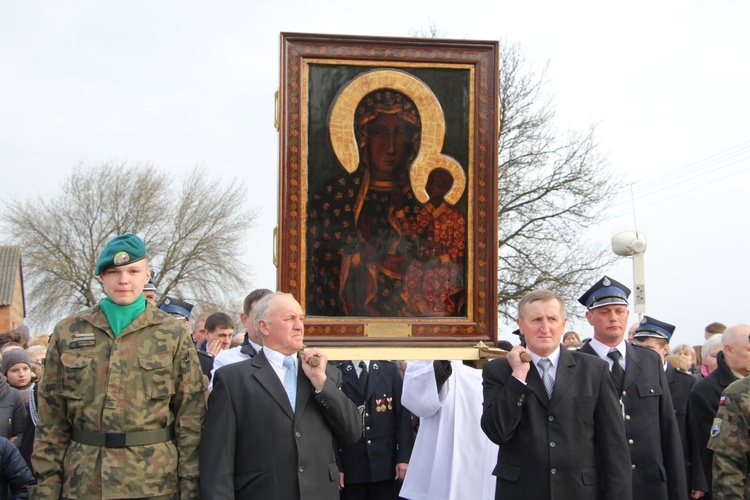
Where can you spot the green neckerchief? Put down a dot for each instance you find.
(121, 316)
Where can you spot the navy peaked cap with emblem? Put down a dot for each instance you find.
(176, 307)
(120, 250)
(606, 292)
(650, 327)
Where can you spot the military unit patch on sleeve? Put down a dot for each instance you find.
(722, 399)
(716, 427)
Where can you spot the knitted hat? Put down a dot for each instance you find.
(13, 357)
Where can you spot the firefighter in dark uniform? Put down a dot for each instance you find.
(374, 467)
(638, 375)
(656, 335)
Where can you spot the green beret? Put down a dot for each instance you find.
(124, 249)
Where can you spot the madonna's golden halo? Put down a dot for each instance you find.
(428, 157)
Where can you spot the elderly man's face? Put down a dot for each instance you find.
(283, 329)
(542, 323)
(737, 355)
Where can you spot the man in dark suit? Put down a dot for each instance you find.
(556, 419)
(266, 438)
(372, 465)
(656, 335)
(733, 363)
(638, 375)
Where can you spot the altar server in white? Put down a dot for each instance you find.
(452, 457)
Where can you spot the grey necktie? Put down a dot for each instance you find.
(290, 381)
(545, 365)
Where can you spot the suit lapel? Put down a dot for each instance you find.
(632, 366)
(304, 392)
(349, 377)
(373, 376)
(534, 381)
(564, 376)
(266, 376)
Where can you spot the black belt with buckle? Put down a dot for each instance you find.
(122, 439)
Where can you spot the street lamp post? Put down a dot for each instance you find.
(633, 244)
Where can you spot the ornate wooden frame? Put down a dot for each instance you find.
(468, 69)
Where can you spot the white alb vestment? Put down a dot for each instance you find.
(452, 458)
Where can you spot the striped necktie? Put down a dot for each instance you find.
(545, 365)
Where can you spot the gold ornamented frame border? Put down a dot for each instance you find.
(479, 60)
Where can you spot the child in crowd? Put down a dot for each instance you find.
(12, 411)
(16, 367)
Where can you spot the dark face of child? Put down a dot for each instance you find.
(439, 183)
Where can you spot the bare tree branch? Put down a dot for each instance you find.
(552, 187)
(194, 234)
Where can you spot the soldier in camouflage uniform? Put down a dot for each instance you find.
(730, 442)
(121, 401)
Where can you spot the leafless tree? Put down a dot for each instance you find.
(552, 186)
(194, 233)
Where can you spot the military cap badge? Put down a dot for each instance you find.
(120, 258)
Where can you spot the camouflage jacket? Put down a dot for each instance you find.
(148, 378)
(730, 442)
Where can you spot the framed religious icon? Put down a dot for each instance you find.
(387, 228)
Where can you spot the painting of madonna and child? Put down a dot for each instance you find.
(387, 218)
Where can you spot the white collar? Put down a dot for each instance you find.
(276, 358)
(554, 357)
(603, 349)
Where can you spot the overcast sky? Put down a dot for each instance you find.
(180, 83)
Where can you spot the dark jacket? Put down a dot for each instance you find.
(703, 403)
(570, 446)
(680, 384)
(650, 427)
(207, 362)
(12, 411)
(255, 446)
(15, 476)
(387, 438)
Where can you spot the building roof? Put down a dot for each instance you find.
(10, 264)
